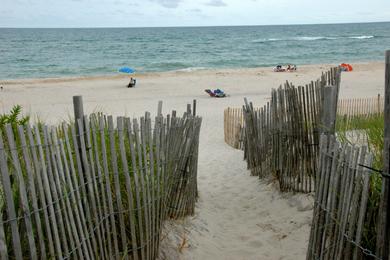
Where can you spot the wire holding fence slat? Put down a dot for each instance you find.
(95, 190)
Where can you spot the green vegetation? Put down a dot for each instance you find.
(367, 130)
(14, 117)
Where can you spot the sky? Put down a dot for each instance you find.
(161, 13)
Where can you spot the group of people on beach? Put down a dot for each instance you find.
(290, 67)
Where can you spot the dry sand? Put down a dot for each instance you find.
(237, 216)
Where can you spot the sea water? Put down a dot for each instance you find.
(42, 53)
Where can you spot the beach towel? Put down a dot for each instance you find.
(218, 93)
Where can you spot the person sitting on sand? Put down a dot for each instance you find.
(279, 68)
(291, 67)
(132, 83)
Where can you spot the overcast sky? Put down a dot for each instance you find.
(152, 13)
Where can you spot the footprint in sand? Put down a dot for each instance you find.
(268, 227)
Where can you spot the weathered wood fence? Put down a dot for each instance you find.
(360, 106)
(341, 200)
(345, 225)
(234, 123)
(98, 189)
(282, 137)
(234, 127)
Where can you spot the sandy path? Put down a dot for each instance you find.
(238, 216)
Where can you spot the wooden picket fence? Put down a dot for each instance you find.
(234, 123)
(234, 127)
(282, 137)
(360, 106)
(343, 186)
(95, 190)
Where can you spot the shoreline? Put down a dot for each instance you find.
(51, 99)
(64, 79)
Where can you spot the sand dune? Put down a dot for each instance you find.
(237, 216)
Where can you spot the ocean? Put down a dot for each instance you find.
(43, 53)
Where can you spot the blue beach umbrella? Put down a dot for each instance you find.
(127, 70)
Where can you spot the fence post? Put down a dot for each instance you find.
(78, 108)
(379, 104)
(383, 237)
(194, 107)
(159, 108)
(78, 114)
(328, 117)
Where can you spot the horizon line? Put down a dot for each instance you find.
(191, 26)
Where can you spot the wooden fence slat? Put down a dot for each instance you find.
(363, 206)
(76, 196)
(60, 196)
(105, 225)
(163, 172)
(118, 196)
(48, 195)
(73, 235)
(142, 176)
(92, 185)
(108, 187)
(131, 133)
(31, 185)
(57, 202)
(130, 199)
(158, 131)
(356, 196)
(153, 184)
(41, 192)
(22, 191)
(146, 179)
(9, 201)
(3, 242)
(81, 168)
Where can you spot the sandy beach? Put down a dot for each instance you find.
(237, 216)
